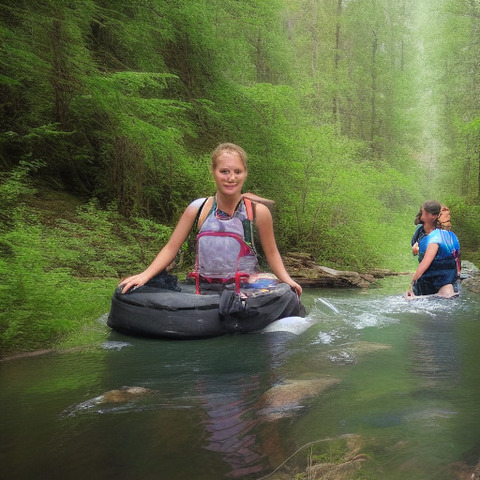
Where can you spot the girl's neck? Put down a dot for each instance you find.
(227, 204)
(429, 228)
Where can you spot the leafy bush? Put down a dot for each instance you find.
(102, 243)
(55, 278)
(467, 228)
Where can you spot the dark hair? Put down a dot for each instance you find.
(417, 220)
(432, 207)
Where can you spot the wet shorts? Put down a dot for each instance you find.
(431, 282)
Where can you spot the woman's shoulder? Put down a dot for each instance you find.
(262, 217)
(437, 236)
(450, 238)
(442, 233)
(197, 203)
(199, 209)
(261, 210)
(432, 237)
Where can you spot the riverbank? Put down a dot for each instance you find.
(309, 274)
(303, 268)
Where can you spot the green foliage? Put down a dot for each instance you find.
(452, 54)
(466, 226)
(142, 91)
(31, 295)
(13, 186)
(352, 113)
(27, 292)
(100, 243)
(47, 272)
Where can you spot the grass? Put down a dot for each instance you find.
(60, 260)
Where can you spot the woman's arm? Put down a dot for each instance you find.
(169, 251)
(427, 260)
(264, 224)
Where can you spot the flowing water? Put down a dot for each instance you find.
(387, 385)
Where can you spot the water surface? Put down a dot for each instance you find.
(395, 382)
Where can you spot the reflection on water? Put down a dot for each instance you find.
(436, 352)
(230, 421)
(393, 383)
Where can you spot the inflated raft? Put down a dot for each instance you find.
(161, 313)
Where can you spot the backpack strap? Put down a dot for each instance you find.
(248, 223)
(249, 208)
(203, 211)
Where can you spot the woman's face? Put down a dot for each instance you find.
(229, 174)
(428, 218)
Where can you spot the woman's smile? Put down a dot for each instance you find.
(229, 173)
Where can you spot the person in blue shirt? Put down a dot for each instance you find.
(438, 256)
(443, 222)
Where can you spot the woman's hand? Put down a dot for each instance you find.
(415, 248)
(409, 295)
(134, 282)
(296, 287)
(167, 254)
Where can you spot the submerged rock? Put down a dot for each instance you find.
(349, 354)
(120, 398)
(285, 399)
(362, 347)
(470, 277)
(123, 395)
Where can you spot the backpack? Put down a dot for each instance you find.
(246, 243)
(444, 218)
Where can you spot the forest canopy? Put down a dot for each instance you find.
(352, 112)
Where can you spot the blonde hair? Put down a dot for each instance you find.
(231, 148)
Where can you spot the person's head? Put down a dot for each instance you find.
(230, 148)
(430, 211)
(432, 207)
(229, 169)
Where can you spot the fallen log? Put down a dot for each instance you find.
(305, 271)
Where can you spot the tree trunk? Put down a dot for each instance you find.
(373, 105)
(337, 57)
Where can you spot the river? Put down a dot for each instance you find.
(375, 388)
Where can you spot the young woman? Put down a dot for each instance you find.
(438, 254)
(223, 214)
(443, 222)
